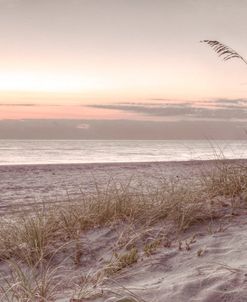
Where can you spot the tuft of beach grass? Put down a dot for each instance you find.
(37, 248)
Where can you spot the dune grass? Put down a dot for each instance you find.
(36, 249)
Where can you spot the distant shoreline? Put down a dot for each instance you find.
(190, 161)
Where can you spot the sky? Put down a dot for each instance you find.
(121, 69)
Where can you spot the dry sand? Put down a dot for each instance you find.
(213, 268)
(23, 184)
(218, 274)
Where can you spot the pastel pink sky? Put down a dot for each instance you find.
(61, 112)
(73, 53)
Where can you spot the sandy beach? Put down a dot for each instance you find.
(123, 151)
(23, 184)
(203, 262)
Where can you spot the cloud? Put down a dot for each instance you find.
(219, 109)
(230, 101)
(121, 129)
(83, 126)
(219, 119)
(155, 110)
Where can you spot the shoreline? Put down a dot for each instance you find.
(192, 161)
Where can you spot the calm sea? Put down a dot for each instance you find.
(16, 152)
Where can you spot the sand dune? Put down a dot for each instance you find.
(212, 267)
(121, 259)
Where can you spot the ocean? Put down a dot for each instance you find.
(19, 152)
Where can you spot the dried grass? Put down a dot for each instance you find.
(224, 51)
(30, 245)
